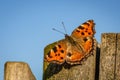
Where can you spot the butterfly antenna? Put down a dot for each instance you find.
(58, 31)
(64, 27)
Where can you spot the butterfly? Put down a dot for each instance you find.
(74, 48)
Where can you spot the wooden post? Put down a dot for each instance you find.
(117, 72)
(17, 71)
(85, 71)
(110, 57)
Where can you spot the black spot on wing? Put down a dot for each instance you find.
(55, 49)
(85, 39)
(59, 46)
(86, 24)
(62, 51)
(86, 31)
(55, 54)
(81, 27)
(58, 54)
(61, 57)
(89, 33)
(82, 33)
(78, 30)
(49, 55)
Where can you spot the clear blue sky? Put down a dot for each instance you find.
(26, 26)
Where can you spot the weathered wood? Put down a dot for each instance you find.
(107, 56)
(85, 71)
(17, 71)
(110, 57)
(118, 58)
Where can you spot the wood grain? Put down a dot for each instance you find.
(110, 57)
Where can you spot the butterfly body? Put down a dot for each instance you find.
(75, 47)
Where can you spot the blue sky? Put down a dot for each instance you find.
(26, 26)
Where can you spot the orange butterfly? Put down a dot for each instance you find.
(74, 48)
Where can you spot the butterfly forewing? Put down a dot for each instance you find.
(84, 30)
(58, 53)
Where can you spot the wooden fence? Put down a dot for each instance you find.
(103, 65)
(110, 57)
(18, 71)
